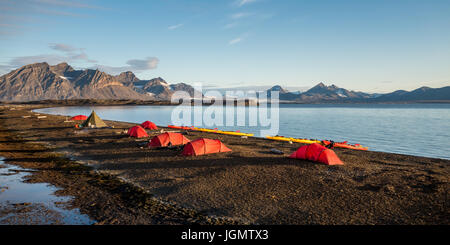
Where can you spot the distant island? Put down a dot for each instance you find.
(41, 81)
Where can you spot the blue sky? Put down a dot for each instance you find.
(372, 46)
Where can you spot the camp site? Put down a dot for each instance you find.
(224, 121)
(212, 176)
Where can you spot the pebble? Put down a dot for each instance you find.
(389, 188)
(276, 151)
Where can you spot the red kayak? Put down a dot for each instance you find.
(180, 127)
(344, 145)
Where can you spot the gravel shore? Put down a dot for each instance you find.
(250, 185)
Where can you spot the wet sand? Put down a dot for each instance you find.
(250, 185)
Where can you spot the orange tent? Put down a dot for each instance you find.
(137, 131)
(204, 146)
(168, 139)
(149, 125)
(317, 153)
(79, 118)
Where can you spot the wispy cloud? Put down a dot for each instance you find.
(241, 3)
(67, 53)
(68, 4)
(72, 53)
(146, 64)
(17, 12)
(230, 25)
(135, 65)
(25, 60)
(236, 19)
(240, 15)
(235, 41)
(46, 11)
(175, 26)
(51, 59)
(81, 56)
(62, 47)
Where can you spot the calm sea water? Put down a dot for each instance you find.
(13, 190)
(414, 129)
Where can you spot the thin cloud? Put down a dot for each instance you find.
(175, 26)
(67, 54)
(239, 39)
(62, 47)
(56, 12)
(135, 65)
(69, 4)
(149, 63)
(230, 25)
(241, 3)
(241, 15)
(235, 41)
(52, 59)
(82, 56)
(237, 19)
(72, 53)
(18, 10)
(25, 60)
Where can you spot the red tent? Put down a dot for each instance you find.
(149, 125)
(137, 131)
(317, 153)
(79, 118)
(204, 146)
(167, 139)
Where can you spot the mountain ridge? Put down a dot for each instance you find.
(40, 81)
(322, 93)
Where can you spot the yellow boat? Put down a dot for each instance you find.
(233, 133)
(304, 141)
(222, 132)
(205, 130)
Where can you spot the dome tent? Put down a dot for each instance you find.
(168, 139)
(317, 153)
(204, 146)
(137, 131)
(149, 125)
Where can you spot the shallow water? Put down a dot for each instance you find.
(413, 129)
(33, 203)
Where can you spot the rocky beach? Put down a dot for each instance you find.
(115, 179)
